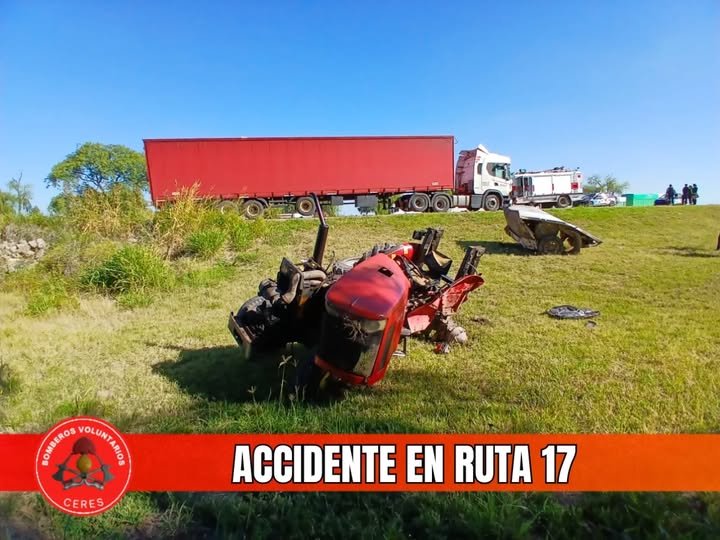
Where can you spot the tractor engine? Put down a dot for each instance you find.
(363, 321)
(353, 313)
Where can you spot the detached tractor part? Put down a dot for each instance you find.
(353, 313)
(544, 233)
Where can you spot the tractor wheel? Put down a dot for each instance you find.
(419, 202)
(564, 202)
(571, 242)
(543, 229)
(492, 202)
(253, 209)
(253, 311)
(549, 245)
(440, 203)
(226, 206)
(305, 206)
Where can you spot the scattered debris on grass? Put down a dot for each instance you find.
(571, 312)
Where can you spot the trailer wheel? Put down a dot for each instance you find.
(226, 206)
(253, 209)
(440, 203)
(571, 242)
(564, 201)
(419, 202)
(492, 202)
(549, 245)
(305, 206)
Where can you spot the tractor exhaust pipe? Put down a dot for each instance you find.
(322, 234)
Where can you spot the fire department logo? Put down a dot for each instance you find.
(83, 466)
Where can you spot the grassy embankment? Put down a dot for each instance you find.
(158, 358)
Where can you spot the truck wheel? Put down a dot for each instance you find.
(419, 202)
(305, 206)
(226, 206)
(571, 242)
(440, 203)
(253, 209)
(549, 245)
(564, 201)
(492, 202)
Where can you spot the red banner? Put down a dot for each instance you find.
(390, 462)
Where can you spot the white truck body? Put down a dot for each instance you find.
(559, 186)
(482, 179)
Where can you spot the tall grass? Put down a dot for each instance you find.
(176, 221)
(51, 295)
(9, 381)
(130, 269)
(206, 243)
(73, 253)
(120, 212)
(110, 243)
(191, 226)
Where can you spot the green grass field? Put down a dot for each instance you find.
(652, 364)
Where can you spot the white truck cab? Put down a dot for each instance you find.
(560, 187)
(482, 179)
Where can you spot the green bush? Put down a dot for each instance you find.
(130, 269)
(206, 243)
(240, 235)
(274, 212)
(53, 294)
(259, 229)
(331, 210)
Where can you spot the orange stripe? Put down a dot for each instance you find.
(602, 462)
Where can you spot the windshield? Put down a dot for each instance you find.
(499, 170)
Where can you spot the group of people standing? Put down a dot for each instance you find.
(689, 194)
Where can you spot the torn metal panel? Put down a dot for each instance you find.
(539, 231)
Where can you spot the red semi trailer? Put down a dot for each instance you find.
(256, 173)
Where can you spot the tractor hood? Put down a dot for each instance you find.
(371, 290)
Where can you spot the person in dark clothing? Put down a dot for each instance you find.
(685, 194)
(670, 194)
(694, 194)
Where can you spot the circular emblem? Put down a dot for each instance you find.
(83, 466)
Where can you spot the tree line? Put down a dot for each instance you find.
(92, 167)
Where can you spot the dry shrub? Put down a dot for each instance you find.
(74, 252)
(176, 221)
(120, 212)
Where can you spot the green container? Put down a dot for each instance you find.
(640, 199)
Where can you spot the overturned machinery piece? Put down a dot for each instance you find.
(353, 313)
(544, 233)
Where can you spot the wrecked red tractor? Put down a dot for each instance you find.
(354, 313)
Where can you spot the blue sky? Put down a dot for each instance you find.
(629, 88)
